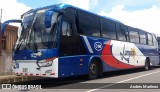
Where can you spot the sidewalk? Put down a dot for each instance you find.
(7, 78)
(13, 78)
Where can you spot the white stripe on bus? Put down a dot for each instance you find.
(88, 44)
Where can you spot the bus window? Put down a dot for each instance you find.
(121, 32)
(133, 34)
(158, 38)
(142, 37)
(108, 29)
(126, 32)
(150, 41)
(154, 40)
(88, 24)
(66, 29)
(67, 39)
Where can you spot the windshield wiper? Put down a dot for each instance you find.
(19, 45)
(33, 31)
(22, 39)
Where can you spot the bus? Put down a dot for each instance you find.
(158, 38)
(62, 40)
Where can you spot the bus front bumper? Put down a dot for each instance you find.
(30, 68)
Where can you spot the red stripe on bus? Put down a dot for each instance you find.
(44, 74)
(50, 59)
(52, 74)
(110, 60)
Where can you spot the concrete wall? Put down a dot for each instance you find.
(5, 62)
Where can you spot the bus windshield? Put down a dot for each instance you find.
(35, 35)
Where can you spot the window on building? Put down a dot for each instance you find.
(3, 42)
(142, 37)
(133, 34)
(88, 24)
(150, 41)
(108, 29)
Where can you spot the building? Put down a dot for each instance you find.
(9, 38)
(6, 45)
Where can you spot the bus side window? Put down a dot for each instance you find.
(89, 24)
(108, 29)
(66, 29)
(126, 32)
(150, 40)
(122, 36)
(133, 34)
(67, 39)
(154, 40)
(142, 37)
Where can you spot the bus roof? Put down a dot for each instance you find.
(64, 6)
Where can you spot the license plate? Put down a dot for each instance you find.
(25, 70)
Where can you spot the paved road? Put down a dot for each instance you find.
(119, 81)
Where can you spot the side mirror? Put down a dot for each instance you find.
(48, 18)
(49, 14)
(7, 22)
(3, 26)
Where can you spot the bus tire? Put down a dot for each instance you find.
(93, 70)
(147, 65)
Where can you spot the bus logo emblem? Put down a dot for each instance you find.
(98, 46)
(128, 53)
(34, 55)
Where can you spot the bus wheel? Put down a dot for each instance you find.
(93, 70)
(147, 65)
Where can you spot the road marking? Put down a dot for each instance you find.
(122, 81)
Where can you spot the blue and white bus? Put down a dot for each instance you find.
(62, 40)
(158, 38)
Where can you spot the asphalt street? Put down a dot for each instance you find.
(134, 80)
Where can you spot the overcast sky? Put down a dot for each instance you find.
(143, 14)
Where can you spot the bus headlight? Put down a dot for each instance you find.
(43, 63)
(46, 62)
(15, 65)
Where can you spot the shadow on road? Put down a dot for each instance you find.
(56, 83)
